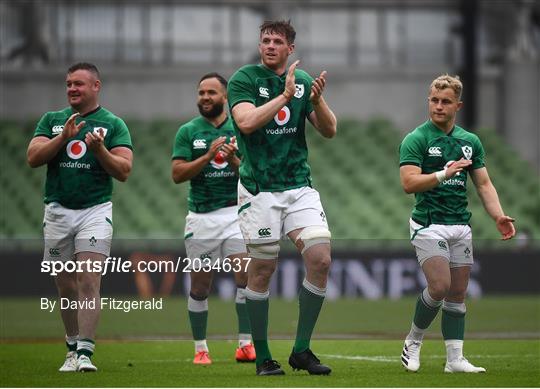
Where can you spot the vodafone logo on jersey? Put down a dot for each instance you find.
(76, 149)
(283, 116)
(219, 161)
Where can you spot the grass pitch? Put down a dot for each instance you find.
(361, 340)
(355, 363)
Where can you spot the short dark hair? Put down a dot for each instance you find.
(84, 66)
(281, 27)
(218, 76)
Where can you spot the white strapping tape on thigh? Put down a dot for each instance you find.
(313, 235)
(268, 250)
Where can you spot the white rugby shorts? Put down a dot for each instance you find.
(453, 242)
(268, 216)
(215, 235)
(70, 231)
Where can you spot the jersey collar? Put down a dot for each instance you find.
(223, 122)
(267, 69)
(89, 113)
(435, 128)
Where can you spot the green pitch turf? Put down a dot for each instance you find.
(360, 339)
(355, 363)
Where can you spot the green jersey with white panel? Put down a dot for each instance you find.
(75, 178)
(432, 150)
(215, 186)
(274, 156)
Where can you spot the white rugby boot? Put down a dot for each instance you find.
(410, 356)
(85, 364)
(70, 364)
(462, 365)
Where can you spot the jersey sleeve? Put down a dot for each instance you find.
(182, 145)
(43, 127)
(240, 88)
(478, 160)
(411, 151)
(121, 136)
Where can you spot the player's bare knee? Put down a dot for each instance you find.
(199, 290)
(66, 286)
(88, 284)
(262, 275)
(68, 290)
(321, 264)
(439, 289)
(241, 278)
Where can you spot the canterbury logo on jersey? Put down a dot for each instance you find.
(435, 152)
(264, 232)
(263, 92)
(199, 144)
(57, 130)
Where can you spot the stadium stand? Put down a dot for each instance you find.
(356, 173)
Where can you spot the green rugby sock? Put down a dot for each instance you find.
(241, 312)
(198, 316)
(257, 310)
(310, 302)
(424, 313)
(453, 325)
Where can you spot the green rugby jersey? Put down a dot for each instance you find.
(432, 150)
(75, 177)
(274, 156)
(216, 185)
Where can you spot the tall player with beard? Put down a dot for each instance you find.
(205, 153)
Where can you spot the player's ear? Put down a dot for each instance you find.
(459, 105)
(97, 85)
(291, 48)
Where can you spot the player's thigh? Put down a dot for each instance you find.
(429, 241)
(58, 233)
(202, 246)
(234, 247)
(437, 272)
(461, 247)
(306, 210)
(259, 216)
(94, 229)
